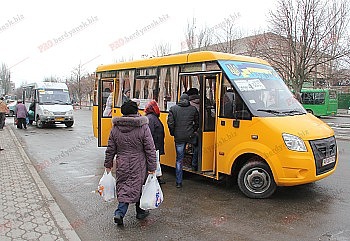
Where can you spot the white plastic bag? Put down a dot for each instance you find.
(159, 169)
(107, 187)
(152, 195)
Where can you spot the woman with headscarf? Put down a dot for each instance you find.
(157, 129)
(131, 142)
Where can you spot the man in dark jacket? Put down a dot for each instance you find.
(183, 122)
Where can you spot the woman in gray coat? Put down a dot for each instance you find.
(131, 142)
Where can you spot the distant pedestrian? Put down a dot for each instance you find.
(157, 129)
(183, 122)
(130, 141)
(3, 111)
(21, 115)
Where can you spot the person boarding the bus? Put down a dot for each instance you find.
(193, 96)
(157, 129)
(183, 122)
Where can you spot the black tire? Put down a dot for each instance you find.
(255, 180)
(39, 123)
(30, 122)
(12, 113)
(310, 111)
(69, 124)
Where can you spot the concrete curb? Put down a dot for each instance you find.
(55, 210)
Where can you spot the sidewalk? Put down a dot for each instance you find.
(27, 209)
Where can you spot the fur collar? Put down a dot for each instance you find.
(130, 120)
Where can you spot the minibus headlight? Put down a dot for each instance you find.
(70, 112)
(293, 142)
(47, 112)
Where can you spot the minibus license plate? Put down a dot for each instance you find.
(328, 160)
(59, 119)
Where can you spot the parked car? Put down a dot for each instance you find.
(12, 106)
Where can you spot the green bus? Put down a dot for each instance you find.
(320, 102)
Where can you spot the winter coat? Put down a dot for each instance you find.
(131, 142)
(183, 121)
(157, 130)
(21, 110)
(3, 107)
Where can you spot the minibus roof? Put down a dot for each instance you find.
(194, 57)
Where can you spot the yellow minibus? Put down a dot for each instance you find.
(251, 126)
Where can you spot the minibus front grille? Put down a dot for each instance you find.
(325, 154)
(59, 113)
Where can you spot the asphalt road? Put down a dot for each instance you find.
(71, 164)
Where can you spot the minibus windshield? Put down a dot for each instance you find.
(54, 96)
(261, 88)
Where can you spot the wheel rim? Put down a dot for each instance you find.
(39, 123)
(257, 180)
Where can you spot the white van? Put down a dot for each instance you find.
(48, 103)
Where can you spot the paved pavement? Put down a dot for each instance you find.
(27, 209)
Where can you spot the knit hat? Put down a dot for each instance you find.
(126, 90)
(129, 108)
(152, 107)
(192, 91)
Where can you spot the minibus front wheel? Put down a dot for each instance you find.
(255, 179)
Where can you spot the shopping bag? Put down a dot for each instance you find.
(152, 195)
(107, 187)
(159, 169)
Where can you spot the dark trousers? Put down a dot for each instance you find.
(123, 208)
(2, 120)
(21, 122)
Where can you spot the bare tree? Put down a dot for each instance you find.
(88, 86)
(75, 84)
(197, 39)
(5, 79)
(190, 34)
(161, 49)
(227, 34)
(308, 41)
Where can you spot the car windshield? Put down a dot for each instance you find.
(262, 88)
(54, 96)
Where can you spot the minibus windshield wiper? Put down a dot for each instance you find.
(296, 112)
(270, 111)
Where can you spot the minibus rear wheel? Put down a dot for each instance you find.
(255, 180)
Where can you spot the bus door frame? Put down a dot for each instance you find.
(104, 122)
(202, 77)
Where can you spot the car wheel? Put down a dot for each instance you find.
(12, 113)
(39, 123)
(310, 111)
(69, 124)
(255, 179)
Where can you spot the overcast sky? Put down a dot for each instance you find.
(40, 39)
